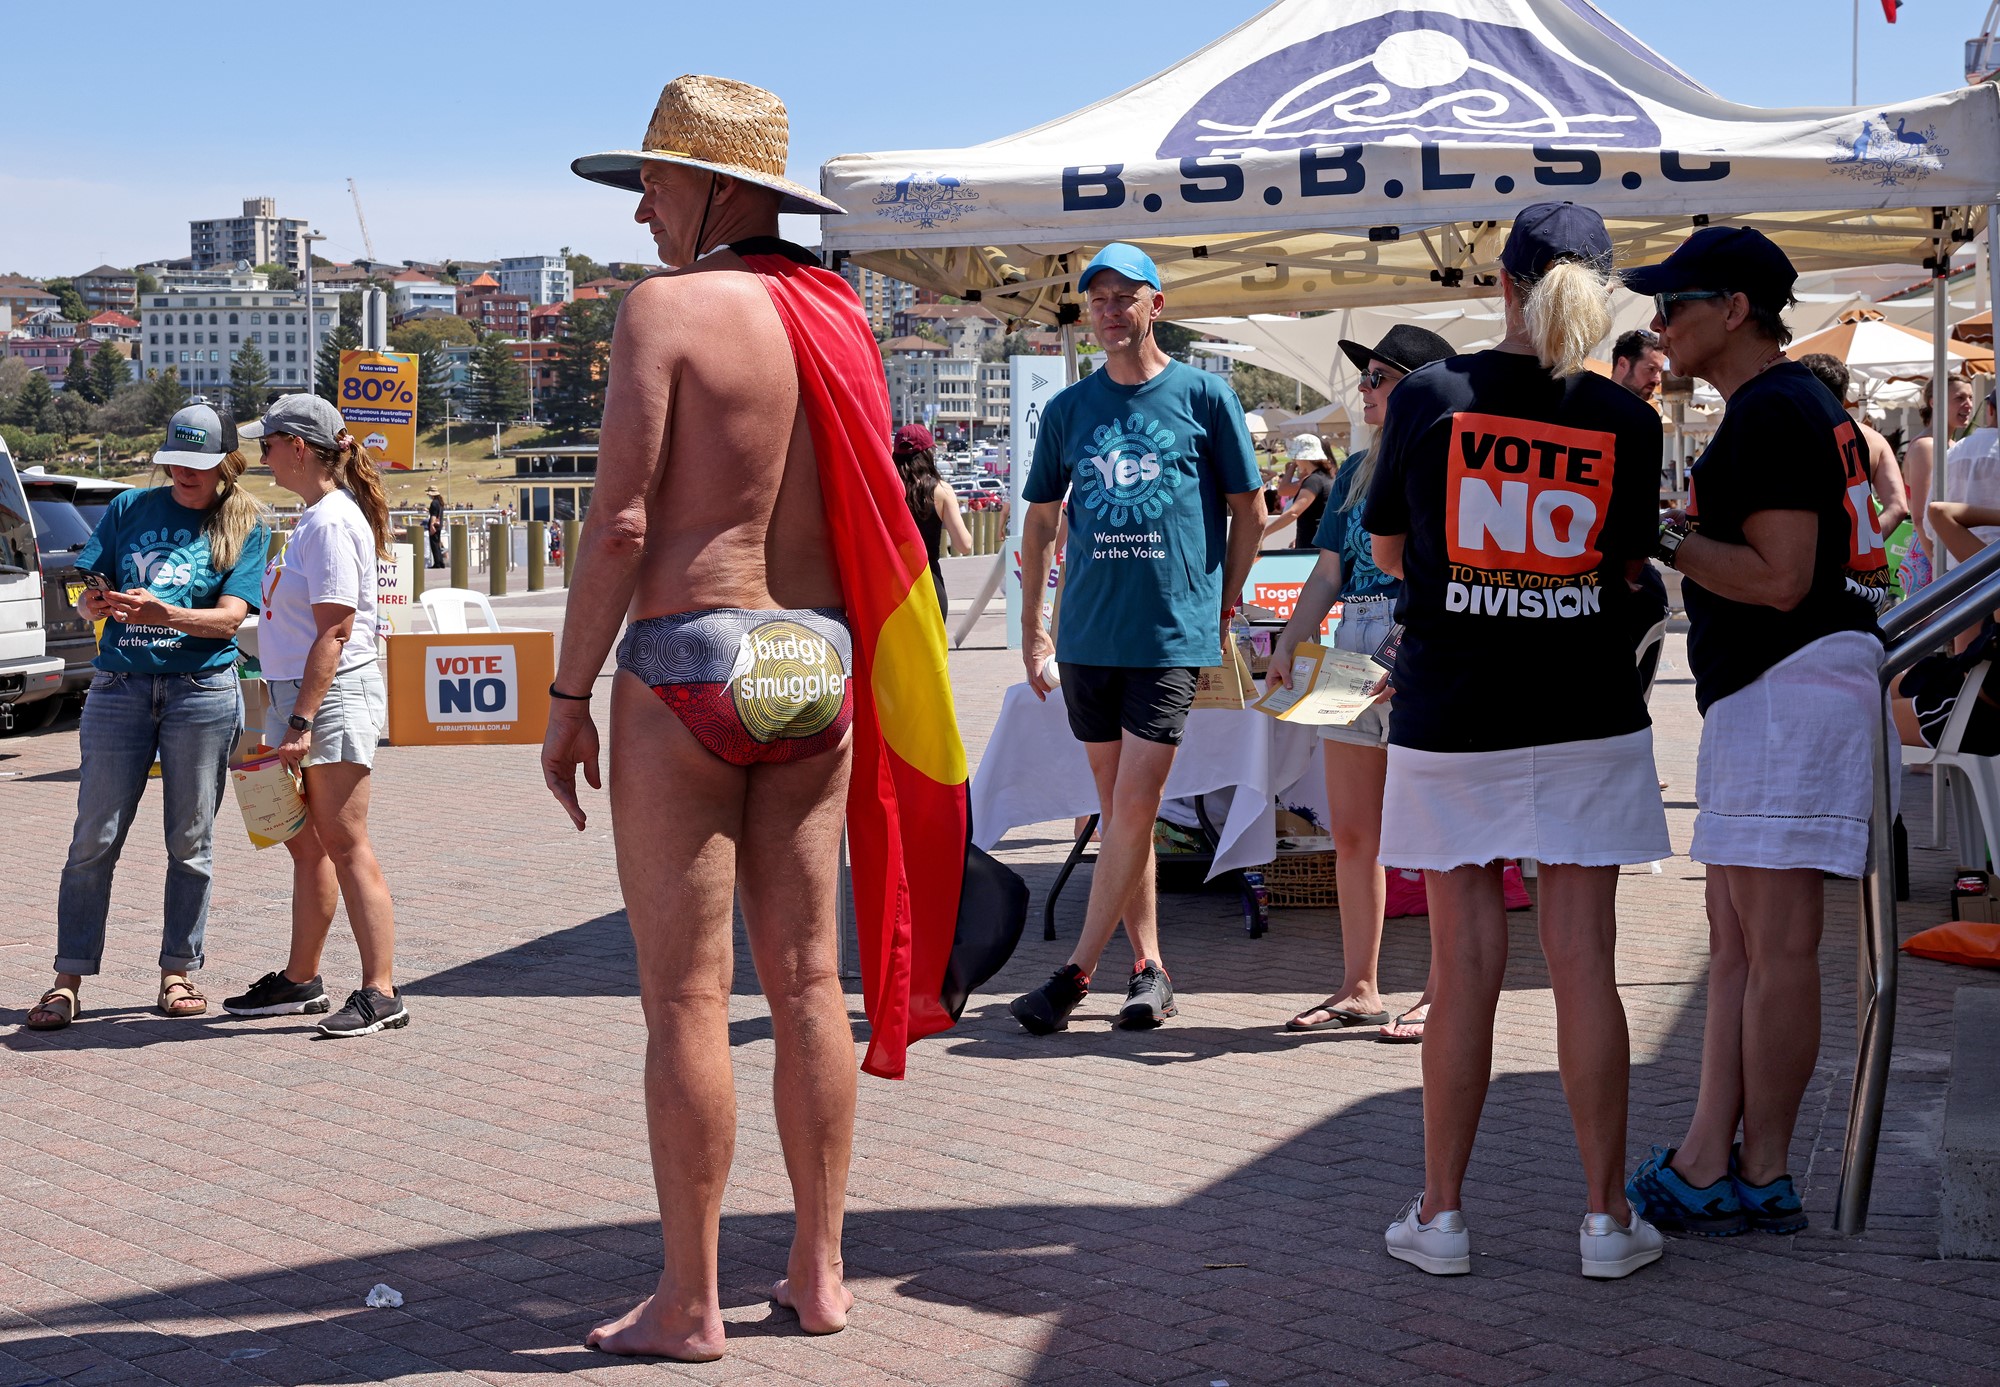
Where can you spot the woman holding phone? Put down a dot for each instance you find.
(172, 571)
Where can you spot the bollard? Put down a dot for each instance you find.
(570, 528)
(461, 555)
(496, 559)
(414, 535)
(538, 555)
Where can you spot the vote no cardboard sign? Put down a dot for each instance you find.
(478, 688)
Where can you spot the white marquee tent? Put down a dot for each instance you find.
(1355, 152)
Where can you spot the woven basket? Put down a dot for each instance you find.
(1300, 879)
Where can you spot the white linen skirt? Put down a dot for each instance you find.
(1785, 778)
(1590, 804)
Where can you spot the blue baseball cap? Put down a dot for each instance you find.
(1552, 231)
(1127, 260)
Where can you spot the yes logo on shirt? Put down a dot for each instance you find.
(1129, 471)
(167, 563)
(1524, 504)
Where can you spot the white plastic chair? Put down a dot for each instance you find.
(445, 607)
(1975, 802)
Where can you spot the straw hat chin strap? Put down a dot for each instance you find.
(707, 206)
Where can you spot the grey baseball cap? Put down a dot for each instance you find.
(197, 437)
(302, 416)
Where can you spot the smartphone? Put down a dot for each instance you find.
(96, 581)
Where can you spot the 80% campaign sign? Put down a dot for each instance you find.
(378, 399)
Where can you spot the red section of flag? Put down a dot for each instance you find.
(1889, 8)
(906, 832)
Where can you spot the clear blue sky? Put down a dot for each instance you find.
(458, 120)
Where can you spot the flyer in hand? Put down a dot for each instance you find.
(1328, 687)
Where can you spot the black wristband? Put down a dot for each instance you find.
(555, 692)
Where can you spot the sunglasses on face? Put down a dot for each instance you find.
(1663, 304)
(1377, 378)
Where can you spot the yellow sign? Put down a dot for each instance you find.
(378, 399)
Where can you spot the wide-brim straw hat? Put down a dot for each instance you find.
(718, 126)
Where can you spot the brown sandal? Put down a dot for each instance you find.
(171, 1005)
(65, 996)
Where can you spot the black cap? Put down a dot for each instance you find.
(1722, 257)
(1402, 346)
(1552, 231)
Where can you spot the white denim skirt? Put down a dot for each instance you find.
(1590, 804)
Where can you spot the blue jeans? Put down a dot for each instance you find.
(190, 720)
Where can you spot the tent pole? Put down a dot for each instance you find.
(1940, 394)
(1070, 376)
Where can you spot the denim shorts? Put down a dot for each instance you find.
(1362, 627)
(348, 722)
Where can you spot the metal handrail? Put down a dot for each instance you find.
(1941, 613)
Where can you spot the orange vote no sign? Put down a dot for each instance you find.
(478, 688)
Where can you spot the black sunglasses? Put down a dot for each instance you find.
(1379, 377)
(1663, 304)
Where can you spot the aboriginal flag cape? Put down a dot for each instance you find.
(907, 816)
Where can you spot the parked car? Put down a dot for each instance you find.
(93, 497)
(60, 531)
(27, 670)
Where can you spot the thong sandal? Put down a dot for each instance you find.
(171, 1005)
(1337, 1018)
(1404, 1022)
(46, 1007)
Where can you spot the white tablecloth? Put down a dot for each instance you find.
(1034, 770)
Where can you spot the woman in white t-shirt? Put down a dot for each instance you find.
(317, 643)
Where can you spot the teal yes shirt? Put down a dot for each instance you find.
(1146, 468)
(149, 540)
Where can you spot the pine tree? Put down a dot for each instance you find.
(109, 371)
(499, 383)
(165, 395)
(34, 400)
(433, 386)
(249, 384)
(341, 339)
(76, 377)
(583, 365)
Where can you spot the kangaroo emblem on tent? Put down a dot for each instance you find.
(1891, 157)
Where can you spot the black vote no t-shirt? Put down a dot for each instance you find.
(1784, 444)
(1522, 499)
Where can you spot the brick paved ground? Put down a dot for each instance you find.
(209, 1201)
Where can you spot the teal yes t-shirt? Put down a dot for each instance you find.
(1146, 469)
(149, 540)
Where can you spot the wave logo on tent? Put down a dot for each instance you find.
(1129, 472)
(1890, 156)
(1431, 76)
(924, 200)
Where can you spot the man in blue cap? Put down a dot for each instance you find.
(1165, 512)
(1781, 565)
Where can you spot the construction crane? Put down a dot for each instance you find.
(366, 244)
(1982, 55)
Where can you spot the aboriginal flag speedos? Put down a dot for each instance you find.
(936, 916)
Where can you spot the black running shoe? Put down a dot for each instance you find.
(367, 1011)
(1047, 1008)
(274, 994)
(1149, 997)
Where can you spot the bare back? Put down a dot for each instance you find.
(734, 518)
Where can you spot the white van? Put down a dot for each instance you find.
(25, 665)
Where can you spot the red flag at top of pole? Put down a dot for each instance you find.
(1889, 8)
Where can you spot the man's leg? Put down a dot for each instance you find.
(788, 878)
(1130, 775)
(676, 816)
(1703, 1155)
(1468, 964)
(1579, 910)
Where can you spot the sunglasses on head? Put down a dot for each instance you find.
(1663, 304)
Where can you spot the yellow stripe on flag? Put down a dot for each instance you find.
(913, 690)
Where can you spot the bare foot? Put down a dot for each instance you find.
(643, 1332)
(821, 1309)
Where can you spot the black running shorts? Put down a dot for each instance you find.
(1105, 700)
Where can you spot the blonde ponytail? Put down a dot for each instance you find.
(354, 472)
(1567, 311)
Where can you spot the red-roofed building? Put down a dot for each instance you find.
(483, 305)
(50, 355)
(546, 322)
(112, 327)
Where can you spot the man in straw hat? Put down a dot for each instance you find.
(750, 524)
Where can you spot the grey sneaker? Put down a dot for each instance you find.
(367, 1011)
(1441, 1247)
(1611, 1251)
(1149, 997)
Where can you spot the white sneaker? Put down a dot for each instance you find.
(1610, 1251)
(1439, 1247)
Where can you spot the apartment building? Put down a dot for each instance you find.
(22, 297)
(200, 331)
(411, 292)
(483, 304)
(882, 297)
(539, 279)
(259, 237)
(108, 289)
(967, 328)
